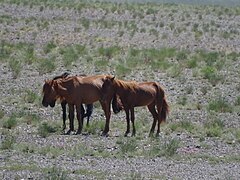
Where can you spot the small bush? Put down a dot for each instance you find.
(214, 128)
(30, 97)
(168, 148)
(128, 145)
(45, 129)
(237, 103)
(48, 47)
(46, 66)
(11, 122)
(220, 105)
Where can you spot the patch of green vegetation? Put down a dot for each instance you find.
(45, 129)
(70, 55)
(55, 173)
(214, 127)
(127, 146)
(108, 52)
(49, 47)
(1, 113)
(46, 66)
(15, 66)
(10, 122)
(220, 105)
(30, 96)
(121, 70)
(168, 148)
(182, 125)
(8, 142)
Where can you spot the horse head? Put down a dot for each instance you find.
(49, 93)
(108, 87)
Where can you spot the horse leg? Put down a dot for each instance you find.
(128, 122)
(82, 113)
(79, 118)
(71, 118)
(106, 109)
(132, 119)
(159, 109)
(152, 110)
(64, 116)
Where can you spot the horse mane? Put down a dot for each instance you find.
(64, 75)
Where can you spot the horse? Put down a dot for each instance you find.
(77, 90)
(89, 107)
(135, 94)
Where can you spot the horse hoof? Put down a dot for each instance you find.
(68, 132)
(78, 132)
(151, 134)
(105, 134)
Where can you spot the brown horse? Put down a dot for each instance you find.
(87, 113)
(76, 91)
(133, 94)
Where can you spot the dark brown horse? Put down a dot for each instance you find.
(76, 91)
(133, 94)
(87, 113)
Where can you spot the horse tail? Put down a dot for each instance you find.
(162, 105)
(165, 110)
(116, 104)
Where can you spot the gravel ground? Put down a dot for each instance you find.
(95, 157)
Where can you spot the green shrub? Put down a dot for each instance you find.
(70, 55)
(45, 129)
(220, 105)
(30, 96)
(214, 128)
(168, 148)
(48, 47)
(122, 70)
(46, 66)
(11, 122)
(127, 145)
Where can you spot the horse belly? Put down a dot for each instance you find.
(90, 96)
